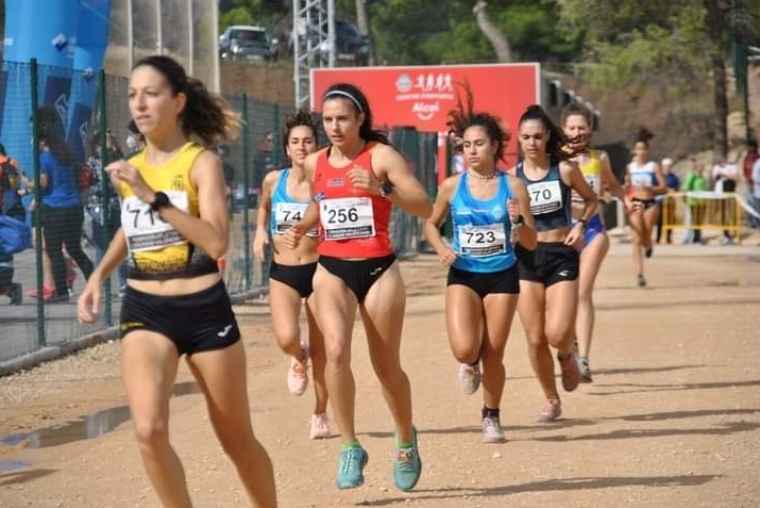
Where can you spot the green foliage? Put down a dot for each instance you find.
(235, 16)
(424, 32)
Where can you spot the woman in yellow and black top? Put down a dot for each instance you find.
(174, 228)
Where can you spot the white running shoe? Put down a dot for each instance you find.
(492, 431)
(469, 378)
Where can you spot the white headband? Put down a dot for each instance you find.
(346, 95)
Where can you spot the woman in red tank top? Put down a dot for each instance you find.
(355, 182)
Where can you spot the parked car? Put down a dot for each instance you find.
(244, 42)
(350, 45)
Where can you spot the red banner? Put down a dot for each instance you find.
(422, 96)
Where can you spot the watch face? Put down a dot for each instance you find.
(387, 187)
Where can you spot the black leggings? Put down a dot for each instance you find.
(64, 225)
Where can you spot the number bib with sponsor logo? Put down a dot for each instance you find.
(287, 214)
(145, 229)
(347, 218)
(482, 241)
(545, 197)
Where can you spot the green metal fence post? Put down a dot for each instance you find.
(105, 193)
(248, 276)
(41, 340)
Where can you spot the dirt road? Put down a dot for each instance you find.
(671, 420)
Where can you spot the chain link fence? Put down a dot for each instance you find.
(80, 212)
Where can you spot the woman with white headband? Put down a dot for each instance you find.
(356, 180)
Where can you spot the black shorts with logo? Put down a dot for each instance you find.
(196, 322)
(548, 264)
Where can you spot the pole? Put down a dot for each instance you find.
(159, 29)
(38, 253)
(130, 36)
(190, 42)
(248, 275)
(105, 209)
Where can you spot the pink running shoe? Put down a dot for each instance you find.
(297, 378)
(47, 292)
(551, 411)
(319, 426)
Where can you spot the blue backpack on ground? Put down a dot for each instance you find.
(15, 236)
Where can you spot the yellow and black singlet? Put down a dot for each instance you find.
(156, 250)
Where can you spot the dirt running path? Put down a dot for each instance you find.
(672, 419)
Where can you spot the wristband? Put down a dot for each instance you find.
(518, 223)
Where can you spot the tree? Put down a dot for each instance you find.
(493, 34)
(424, 32)
(677, 44)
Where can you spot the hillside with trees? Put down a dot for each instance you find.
(675, 66)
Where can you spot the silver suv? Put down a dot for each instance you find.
(244, 42)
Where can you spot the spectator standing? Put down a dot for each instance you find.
(667, 206)
(695, 181)
(61, 204)
(724, 175)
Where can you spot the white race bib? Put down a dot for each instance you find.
(481, 241)
(145, 229)
(287, 214)
(347, 218)
(545, 197)
(641, 180)
(594, 182)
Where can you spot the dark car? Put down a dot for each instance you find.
(350, 45)
(243, 42)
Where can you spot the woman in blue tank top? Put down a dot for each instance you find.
(549, 276)
(285, 194)
(488, 208)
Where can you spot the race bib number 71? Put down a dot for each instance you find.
(145, 229)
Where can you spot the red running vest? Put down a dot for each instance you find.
(353, 222)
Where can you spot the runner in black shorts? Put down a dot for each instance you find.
(285, 194)
(174, 229)
(549, 275)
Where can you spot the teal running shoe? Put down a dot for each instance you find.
(351, 467)
(408, 466)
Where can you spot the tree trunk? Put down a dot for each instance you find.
(494, 35)
(362, 23)
(715, 31)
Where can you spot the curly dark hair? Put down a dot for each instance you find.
(299, 118)
(464, 117)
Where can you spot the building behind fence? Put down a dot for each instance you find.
(37, 325)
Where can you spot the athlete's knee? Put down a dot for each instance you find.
(236, 443)
(389, 372)
(466, 352)
(287, 334)
(152, 434)
(559, 336)
(337, 352)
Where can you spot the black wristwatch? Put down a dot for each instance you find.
(160, 200)
(386, 188)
